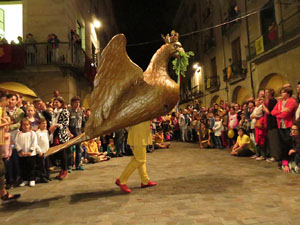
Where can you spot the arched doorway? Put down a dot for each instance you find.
(240, 95)
(215, 99)
(275, 81)
(14, 87)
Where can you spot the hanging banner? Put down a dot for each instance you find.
(5, 53)
(208, 83)
(259, 45)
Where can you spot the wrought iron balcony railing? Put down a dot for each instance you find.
(238, 73)
(47, 54)
(212, 83)
(277, 34)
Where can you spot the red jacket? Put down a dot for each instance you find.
(287, 116)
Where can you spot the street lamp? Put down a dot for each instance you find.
(196, 66)
(97, 24)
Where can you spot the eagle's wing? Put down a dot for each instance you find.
(115, 75)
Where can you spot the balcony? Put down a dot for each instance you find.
(65, 56)
(190, 95)
(238, 73)
(232, 21)
(281, 38)
(212, 84)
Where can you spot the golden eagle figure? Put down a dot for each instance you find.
(124, 95)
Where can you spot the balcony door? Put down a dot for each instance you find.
(236, 55)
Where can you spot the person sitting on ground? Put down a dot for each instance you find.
(244, 146)
(111, 148)
(204, 137)
(159, 140)
(294, 164)
(93, 155)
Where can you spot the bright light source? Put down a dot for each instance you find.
(196, 66)
(97, 24)
(13, 21)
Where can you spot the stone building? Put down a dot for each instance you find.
(45, 65)
(246, 45)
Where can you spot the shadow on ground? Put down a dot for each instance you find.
(201, 184)
(95, 195)
(21, 205)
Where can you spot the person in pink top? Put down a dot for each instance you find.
(284, 111)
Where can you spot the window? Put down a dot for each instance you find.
(2, 27)
(81, 32)
(236, 55)
(213, 64)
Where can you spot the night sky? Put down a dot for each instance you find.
(144, 21)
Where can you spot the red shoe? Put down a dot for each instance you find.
(64, 175)
(150, 184)
(123, 186)
(59, 175)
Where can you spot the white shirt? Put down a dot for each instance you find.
(218, 127)
(42, 140)
(27, 142)
(257, 113)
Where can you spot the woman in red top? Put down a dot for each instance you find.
(284, 111)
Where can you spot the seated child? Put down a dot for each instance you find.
(93, 155)
(111, 148)
(159, 140)
(244, 146)
(204, 137)
(294, 164)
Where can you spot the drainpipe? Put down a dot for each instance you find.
(223, 46)
(249, 52)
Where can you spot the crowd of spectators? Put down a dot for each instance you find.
(29, 129)
(265, 128)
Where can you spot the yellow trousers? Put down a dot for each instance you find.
(138, 161)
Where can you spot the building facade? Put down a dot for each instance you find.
(45, 64)
(246, 46)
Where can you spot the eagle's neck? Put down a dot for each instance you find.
(159, 61)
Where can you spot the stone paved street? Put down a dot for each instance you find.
(194, 187)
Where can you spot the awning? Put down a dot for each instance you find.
(13, 87)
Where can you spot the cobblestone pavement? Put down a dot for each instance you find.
(194, 187)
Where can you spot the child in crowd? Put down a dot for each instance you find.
(244, 147)
(26, 145)
(260, 138)
(111, 148)
(43, 146)
(255, 115)
(217, 130)
(99, 145)
(93, 155)
(204, 136)
(30, 112)
(211, 122)
(159, 140)
(294, 153)
(233, 123)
